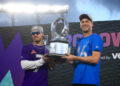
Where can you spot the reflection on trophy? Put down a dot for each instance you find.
(59, 44)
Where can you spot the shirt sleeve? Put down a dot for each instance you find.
(97, 44)
(26, 64)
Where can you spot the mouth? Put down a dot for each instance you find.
(35, 37)
(85, 26)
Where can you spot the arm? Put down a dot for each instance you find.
(26, 64)
(97, 45)
(50, 61)
(91, 59)
(94, 58)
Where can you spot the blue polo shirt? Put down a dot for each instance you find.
(85, 73)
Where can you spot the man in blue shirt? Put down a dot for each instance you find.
(87, 55)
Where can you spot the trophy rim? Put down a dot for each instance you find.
(57, 57)
(61, 41)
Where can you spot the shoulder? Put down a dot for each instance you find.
(96, 39)
(79, 39)
(27, 46)
(96, 36)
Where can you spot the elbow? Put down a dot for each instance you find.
(22, 67)
(95, 61)
(95, 57)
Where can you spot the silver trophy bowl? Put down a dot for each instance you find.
(59, 44)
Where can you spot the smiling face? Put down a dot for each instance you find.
(86, 25)
(37, 37)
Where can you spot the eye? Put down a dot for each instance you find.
(86, 21)
(82, 21)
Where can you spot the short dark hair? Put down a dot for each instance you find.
(82, 16)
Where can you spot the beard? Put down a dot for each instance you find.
(37, 41)
(86, 31)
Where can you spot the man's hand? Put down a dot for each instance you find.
(51, 61)
(70, 61)
(69, 57)
(45, 57)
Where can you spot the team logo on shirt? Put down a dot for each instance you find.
(33, 52)
(97, 46)
(84, 54)
(39, 56)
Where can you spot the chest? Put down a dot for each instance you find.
(85, 46)
(36, 53)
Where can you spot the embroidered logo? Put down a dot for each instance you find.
(33, 52)
(97, 46)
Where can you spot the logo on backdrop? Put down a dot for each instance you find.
(114, 56)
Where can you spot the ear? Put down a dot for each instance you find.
(42, 34)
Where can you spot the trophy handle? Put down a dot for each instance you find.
(65, 30)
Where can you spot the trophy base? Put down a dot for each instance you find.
(58, 57)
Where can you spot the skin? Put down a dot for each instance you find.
(86, 26)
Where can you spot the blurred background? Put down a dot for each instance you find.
(18, 16)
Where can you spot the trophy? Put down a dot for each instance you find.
(59, 44)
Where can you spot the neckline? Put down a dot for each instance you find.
(88, 36)
(38, 47)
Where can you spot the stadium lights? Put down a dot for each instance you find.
(0, 6)
(30, 8)
(18, 8)
(52, 9)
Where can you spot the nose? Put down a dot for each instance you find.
(84, 23)
(35, 34)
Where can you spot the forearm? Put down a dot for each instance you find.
(94, 58)
(26, 64)
(88, 59)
